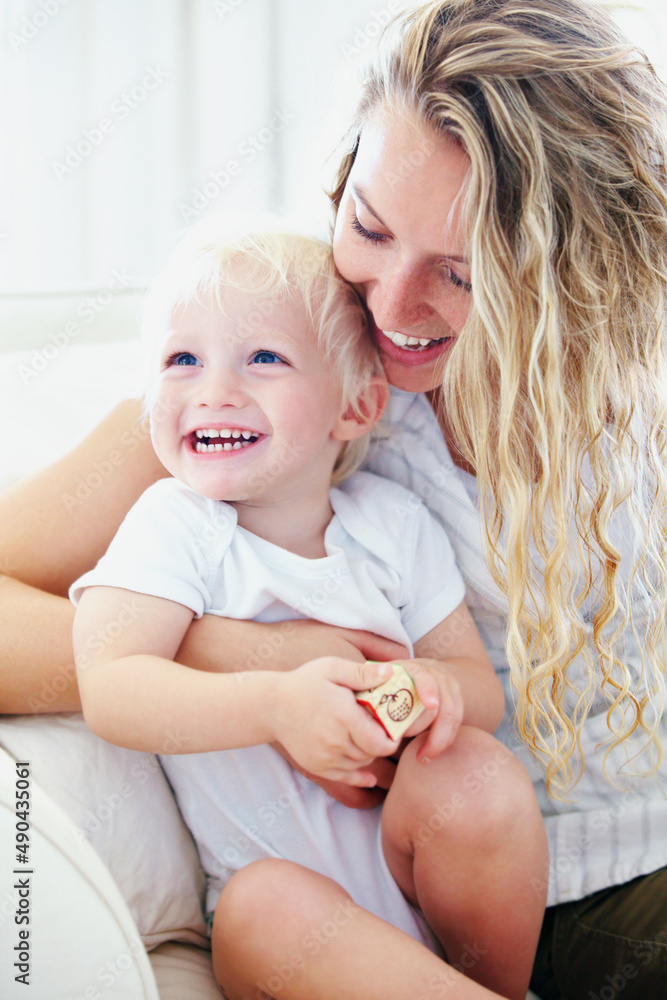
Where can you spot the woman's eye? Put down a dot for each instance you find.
(266, 358)
(367, 234)
(455, 280)
(181, 358)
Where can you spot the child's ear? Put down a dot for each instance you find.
(370, 406)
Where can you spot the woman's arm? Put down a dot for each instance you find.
(56, 524)
(53, 526)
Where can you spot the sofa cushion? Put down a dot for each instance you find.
(119, 802)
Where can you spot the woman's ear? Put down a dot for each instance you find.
(371, 404)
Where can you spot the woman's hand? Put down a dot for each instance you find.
(227, 645)
(317, 719)
(222, 644)
(352, 796)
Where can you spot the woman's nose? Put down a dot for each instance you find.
(397, 299)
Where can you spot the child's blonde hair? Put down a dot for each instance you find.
(278, 266)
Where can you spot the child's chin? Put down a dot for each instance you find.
(218, 491)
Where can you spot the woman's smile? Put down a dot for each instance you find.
(406, 349)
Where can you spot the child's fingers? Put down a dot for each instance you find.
(357, 676)
(369, 737)
(442, 732)
(427, 686)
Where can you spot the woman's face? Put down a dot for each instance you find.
(399, 241)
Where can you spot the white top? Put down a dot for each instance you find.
(389, 567)
(605, 835)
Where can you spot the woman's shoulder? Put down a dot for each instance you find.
(410, 448)
(407, 412)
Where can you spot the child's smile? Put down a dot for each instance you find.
(213, 440)
(246, 411)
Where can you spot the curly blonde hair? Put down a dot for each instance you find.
(556, 390)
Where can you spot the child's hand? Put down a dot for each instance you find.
(318, 721)
(441, 697)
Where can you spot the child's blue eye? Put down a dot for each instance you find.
(266, 358)
(182, 358)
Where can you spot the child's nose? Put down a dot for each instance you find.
(222, 388)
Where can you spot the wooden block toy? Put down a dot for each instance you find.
(394, 704)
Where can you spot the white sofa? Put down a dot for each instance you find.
(113, 887)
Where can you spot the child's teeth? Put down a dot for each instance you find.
(230, 440)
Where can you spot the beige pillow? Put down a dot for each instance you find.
(119, 802)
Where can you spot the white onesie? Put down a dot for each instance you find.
(389, 569)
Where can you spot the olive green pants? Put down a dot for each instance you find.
(609, 946)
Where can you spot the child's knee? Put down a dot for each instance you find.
(267, 891)
(247, 896)
(477, 782)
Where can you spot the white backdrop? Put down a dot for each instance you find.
(123, 120)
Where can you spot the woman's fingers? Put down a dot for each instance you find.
(359, 778)
(375, 647)
(384, 769)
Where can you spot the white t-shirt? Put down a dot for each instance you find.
(605, 835)
(389, 569)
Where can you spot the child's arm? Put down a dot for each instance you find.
(455, 681)
(134, 694)
(49, 537)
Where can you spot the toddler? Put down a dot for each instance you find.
(264, 388)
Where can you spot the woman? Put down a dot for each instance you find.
(502, 207)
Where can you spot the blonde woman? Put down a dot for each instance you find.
(502, 207)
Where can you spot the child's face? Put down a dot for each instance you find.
(246, 407)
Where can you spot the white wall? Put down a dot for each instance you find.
(122, 120)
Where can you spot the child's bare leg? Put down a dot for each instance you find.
(464, 839)
(283, 931)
